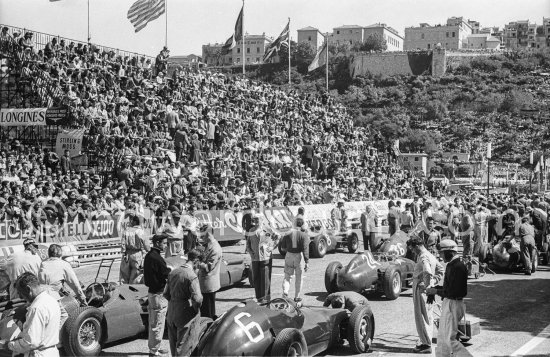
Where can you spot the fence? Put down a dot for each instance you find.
(42, 39)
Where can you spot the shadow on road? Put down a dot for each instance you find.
(520, 303)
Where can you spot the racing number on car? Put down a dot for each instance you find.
(370, 261)
(249, 327)
(397, 249)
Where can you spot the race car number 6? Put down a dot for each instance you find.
(248, 327)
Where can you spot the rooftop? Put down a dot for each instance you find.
(349, 27)
(308, 28)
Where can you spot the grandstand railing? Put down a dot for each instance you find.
(42, 39)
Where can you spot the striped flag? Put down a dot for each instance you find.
(320, 58)
(275, 46)
(144, 11)
(237, 34)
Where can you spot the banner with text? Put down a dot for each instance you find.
(23, 117)
(69, 140)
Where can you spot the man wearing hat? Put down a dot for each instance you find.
(455, 288)
(339, 217)
(209, 271)
(20, 262)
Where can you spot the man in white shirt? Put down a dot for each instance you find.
(21, 262)
(40, 334)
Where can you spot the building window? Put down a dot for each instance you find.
(338, 32)
(309, 38)
(238, 50)
(415, 159)
(350, 31)
(447, 34)
(454, 35)
(257, 59)
(422, 36)
(257, 49)
(238, 60)
(429, 46)
(247, 59)
(248, 50)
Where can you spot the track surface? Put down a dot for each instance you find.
(513, 309)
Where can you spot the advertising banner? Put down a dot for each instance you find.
(57, 116)
(23, 117)
(69, 140)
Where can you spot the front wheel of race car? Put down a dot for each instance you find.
(289, 342)
(331, 274)
(81, 335)
(361, 329)
(392, 283)
(318, 247)
(353, 243)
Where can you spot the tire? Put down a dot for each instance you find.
(282, 250)
(88, 319)
(289, 342)
(353, 243)
(392, 283)
(70, 304)
(331, 274)
(318, 247)
(360, 329)
(544, 253)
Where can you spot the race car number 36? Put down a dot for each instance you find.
(248, 328)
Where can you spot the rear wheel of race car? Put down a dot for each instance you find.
(282, 250)
(353, 243)
(289, 342)
(361, 329)
(331, 273)
(544, 253)
(392, 283)
(81, 335)
(318, 247)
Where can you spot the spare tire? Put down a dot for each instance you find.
(83, 332)
(361, 329)
(331, 274)
(353, 242)
(392, 282)
(289, 342)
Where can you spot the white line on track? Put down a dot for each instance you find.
(534, 342)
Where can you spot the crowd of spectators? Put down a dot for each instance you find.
(193, 139)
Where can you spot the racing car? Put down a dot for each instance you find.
(325, 240)
(283, 328)
(114, 312)
(386, 271)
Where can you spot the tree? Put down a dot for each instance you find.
(374, 42)
(303, 56)
(419, 141)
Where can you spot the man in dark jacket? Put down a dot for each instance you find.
(155, 273)
(296, 244)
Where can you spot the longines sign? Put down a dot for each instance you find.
(33, 116)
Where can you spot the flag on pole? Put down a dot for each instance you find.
(237, 34)
(144, 11)
(275, 46)
(319, 60)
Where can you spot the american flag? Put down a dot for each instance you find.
(144, 11)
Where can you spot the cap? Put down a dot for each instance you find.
(448, 244)
(30, 241)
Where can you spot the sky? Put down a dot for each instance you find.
(192, 23)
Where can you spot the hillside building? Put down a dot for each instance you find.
(453, 35)
(254, 47)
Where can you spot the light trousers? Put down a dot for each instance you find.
(452, 312)
(423, 316)
(157, 307)
(294, 264)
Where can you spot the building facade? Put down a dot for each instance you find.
(452, 36)
(312, 36)
(483, 42)
(254, 50)
(526, 35)
(394, 40)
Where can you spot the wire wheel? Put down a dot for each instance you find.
(88, 334)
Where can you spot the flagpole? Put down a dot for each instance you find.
(166, 23)
(89, 37)
(244, 36)
(326, 70)
(289, 51)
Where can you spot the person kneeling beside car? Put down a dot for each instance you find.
(345, 299)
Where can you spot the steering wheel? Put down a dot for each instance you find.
(95, 291)
(279, 304)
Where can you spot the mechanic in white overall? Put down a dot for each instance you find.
(428, 272)
(133, 245)
(296, 244)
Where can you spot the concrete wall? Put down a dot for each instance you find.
(391, 63)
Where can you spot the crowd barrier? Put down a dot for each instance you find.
(87, 242)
